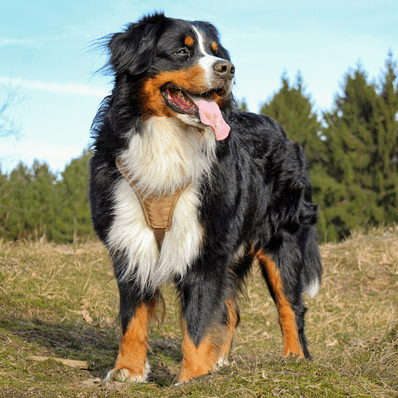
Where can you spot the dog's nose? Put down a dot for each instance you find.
(224, 69)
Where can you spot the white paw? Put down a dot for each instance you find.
(125, 375)
(223, 361)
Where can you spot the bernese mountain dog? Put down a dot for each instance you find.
(185, 187)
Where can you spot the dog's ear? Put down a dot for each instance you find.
(133, 50)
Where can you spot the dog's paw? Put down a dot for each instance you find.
(223, 361)
(124, 375)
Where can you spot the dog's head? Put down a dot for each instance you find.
(178, 65)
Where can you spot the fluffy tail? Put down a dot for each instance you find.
(312, 270)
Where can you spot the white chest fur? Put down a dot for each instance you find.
(169, 155)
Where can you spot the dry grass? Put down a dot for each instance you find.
(60, 302)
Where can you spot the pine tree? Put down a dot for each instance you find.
(361, 137)
(386, 179)
(29, 203)
(242, 105)
(292, 108)
(17, 217)
(4, 200)
(43, 200)
(74, 219)
(33, 202)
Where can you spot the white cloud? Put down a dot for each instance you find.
(65, 88)
(71, 33)
(9, 42)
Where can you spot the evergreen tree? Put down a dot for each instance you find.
(74, 219)
(386, 181)
(34, 203)
(4, 193)
(242, 105)
(293, 109)
(361, 137)
(29, 202)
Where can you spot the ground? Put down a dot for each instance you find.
(59, 329)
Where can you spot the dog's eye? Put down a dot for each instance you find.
(184, 52)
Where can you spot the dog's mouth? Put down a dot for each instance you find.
(201, 107)
(186, 103)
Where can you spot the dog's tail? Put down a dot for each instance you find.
(312, 270)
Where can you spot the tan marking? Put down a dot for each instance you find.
(287, 318)
(219, 101)
(133, 345)
(189, 41)
(214, 46)
(233, 318)
(232, 321)
(196, 360)
(213, 349)
(190, 79)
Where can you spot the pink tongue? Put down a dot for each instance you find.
(210, 115)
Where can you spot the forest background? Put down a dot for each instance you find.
(352, 151)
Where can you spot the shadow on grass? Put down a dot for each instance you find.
(98, 346)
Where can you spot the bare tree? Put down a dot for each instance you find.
(9, 127)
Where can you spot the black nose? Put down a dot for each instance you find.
(224, 69)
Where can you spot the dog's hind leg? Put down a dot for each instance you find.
(286, 292)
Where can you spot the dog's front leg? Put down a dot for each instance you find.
(209, 317)
(135, 313)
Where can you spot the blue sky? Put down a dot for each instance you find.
(45, 57)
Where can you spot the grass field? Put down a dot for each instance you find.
(59, 329)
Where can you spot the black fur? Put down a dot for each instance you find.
(258, 195)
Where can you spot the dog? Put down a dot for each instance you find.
(185, 187)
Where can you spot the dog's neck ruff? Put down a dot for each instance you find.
(158, 211)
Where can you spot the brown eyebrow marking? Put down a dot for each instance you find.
(189, 41)
(214, 46)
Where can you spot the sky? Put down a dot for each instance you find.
(47, 59)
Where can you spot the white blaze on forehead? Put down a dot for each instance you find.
(207, 61)
(201, 40)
